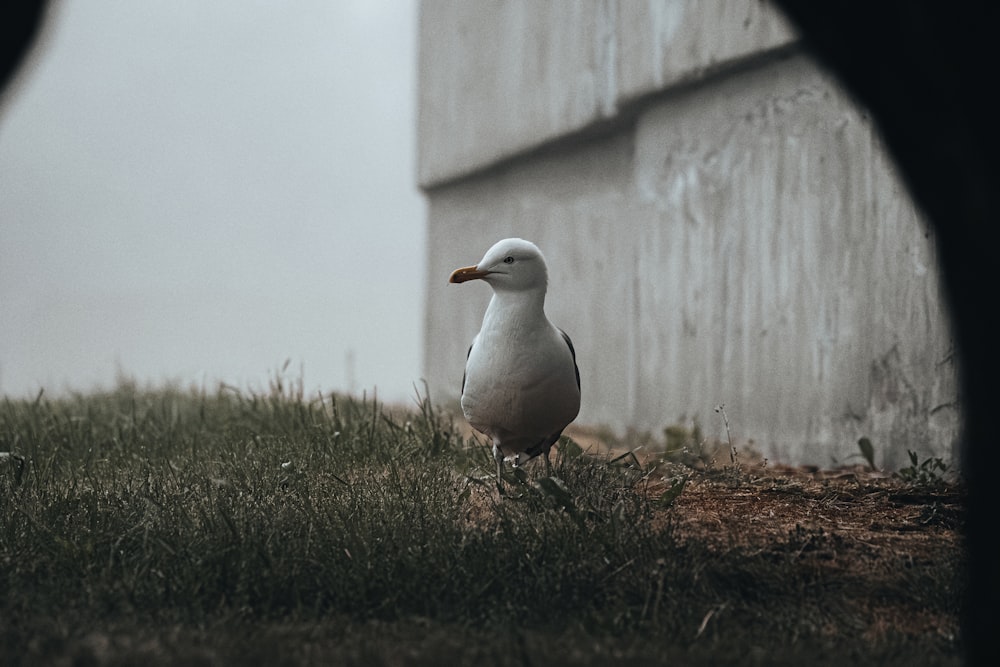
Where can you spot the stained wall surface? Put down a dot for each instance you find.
(722, 224)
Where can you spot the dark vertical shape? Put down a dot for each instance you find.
(927, 71)
(19, 25)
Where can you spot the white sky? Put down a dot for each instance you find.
(197, 191)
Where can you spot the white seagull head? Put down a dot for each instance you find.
(510, 265)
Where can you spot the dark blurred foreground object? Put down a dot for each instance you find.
(927, 71)
(19, 25)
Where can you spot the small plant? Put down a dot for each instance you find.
(867, 451)
(683, 443)
(734, 470)
(930, 472)
(667, 498)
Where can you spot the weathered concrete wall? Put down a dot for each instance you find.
(738, 238)
(500, 77)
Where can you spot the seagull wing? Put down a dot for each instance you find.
(572, 351)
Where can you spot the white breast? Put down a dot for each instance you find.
(520, 385)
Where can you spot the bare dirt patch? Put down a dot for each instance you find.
(879, 540)
(873, 531)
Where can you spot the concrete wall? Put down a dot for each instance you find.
(722, 224)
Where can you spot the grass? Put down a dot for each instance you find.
(168, 526)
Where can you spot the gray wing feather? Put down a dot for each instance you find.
(572, 351)
(464, 373)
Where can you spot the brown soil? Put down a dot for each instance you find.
(850, 522)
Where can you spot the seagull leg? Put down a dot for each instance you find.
(548, 463)
(498, 457)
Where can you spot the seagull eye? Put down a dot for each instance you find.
(508, 260)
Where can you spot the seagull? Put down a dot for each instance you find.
(521, 386)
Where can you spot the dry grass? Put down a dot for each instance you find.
(168, 527)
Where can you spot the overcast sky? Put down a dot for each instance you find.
(197, 191)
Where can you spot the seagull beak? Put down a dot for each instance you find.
(467, 273)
